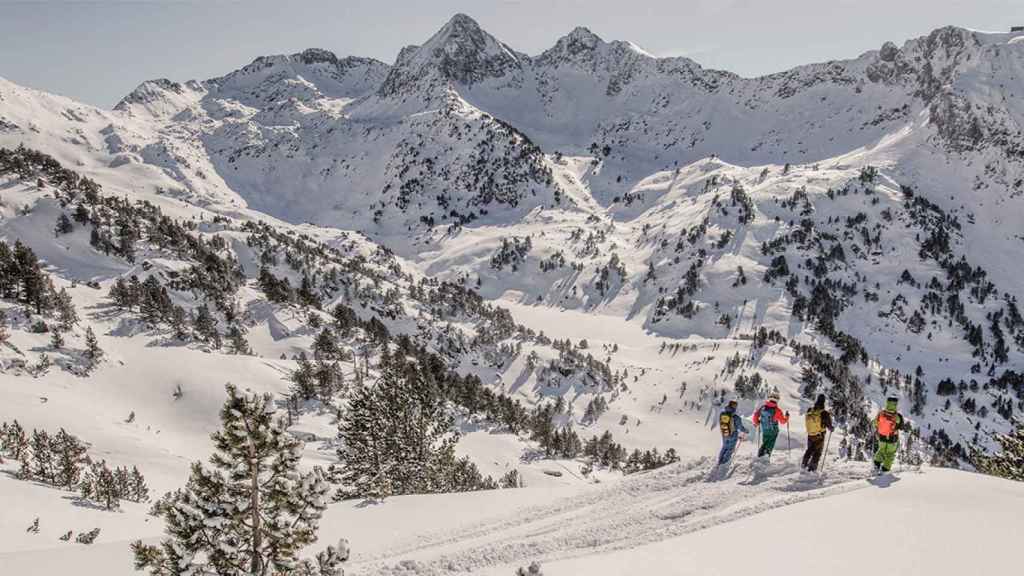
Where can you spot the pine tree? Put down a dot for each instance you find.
(306, 294)
(70, 456)
(138, 490)
(81, 214)
(14, 441)
(205, 326)
(303, 382)
(396, 438)
(66, 313)
(251, 512)
(92, 347)
(100, 485)
(237, 344)
(178, 319)
(328, 380)
(29, 277)
(87, 537)
(324, 346)
(64, 225)
(1009, 463)
(40, 466)
(56, 340)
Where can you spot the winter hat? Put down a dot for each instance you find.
(820, 402)
(773, 395)
(890, 404)
(731, 403)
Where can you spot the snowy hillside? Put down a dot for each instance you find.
(671, 521)
(559, 265)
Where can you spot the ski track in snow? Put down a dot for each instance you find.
(645, 508)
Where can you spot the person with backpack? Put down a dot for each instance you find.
(768, 418)
(818, 421)
(731, 426)
(888, 423)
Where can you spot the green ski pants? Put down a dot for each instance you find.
(768, 442)
(885, 454)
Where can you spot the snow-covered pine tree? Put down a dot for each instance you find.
(205, 326)
(251, 512)
(56, 339)
(87, 537)
(397, 437)
(237, 344)
(1010, 462)
(138, 490)
(303, 383)
(13, 440)
(122, 480)
(66, 313)
(92, 347)
(70, 457)
(64, 225)
(329, 380)
(40, 465)
(100, 485)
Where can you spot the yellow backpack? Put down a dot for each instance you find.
(725, 423)
(813, 420)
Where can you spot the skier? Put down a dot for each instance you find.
(818, 420)
(731, 426)
(768, 418)
(888, 423)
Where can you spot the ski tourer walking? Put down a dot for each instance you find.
(818, 421)
(731, 426)
(888, 423)
(768, 418)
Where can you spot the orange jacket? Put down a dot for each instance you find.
(779, 416)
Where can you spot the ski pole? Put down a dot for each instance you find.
(824, 456)
(789, 441)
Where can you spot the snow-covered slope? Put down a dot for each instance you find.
(675, 520)
(629, 238)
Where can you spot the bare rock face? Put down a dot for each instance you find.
(888, 52)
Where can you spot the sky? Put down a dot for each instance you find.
(98, 51)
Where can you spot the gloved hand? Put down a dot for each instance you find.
(787, 413)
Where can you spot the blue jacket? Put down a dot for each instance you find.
(737, 423)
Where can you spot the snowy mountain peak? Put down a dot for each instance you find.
(461, 51)
(318, 55)
(462, 22)
(160, 98)
(579, 40)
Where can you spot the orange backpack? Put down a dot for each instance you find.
(886, 424)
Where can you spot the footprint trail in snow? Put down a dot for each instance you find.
(639, 509)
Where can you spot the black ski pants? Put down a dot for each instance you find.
(815, 445)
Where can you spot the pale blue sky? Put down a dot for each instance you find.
(97, 51)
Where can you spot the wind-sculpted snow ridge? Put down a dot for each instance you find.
(641, 509)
